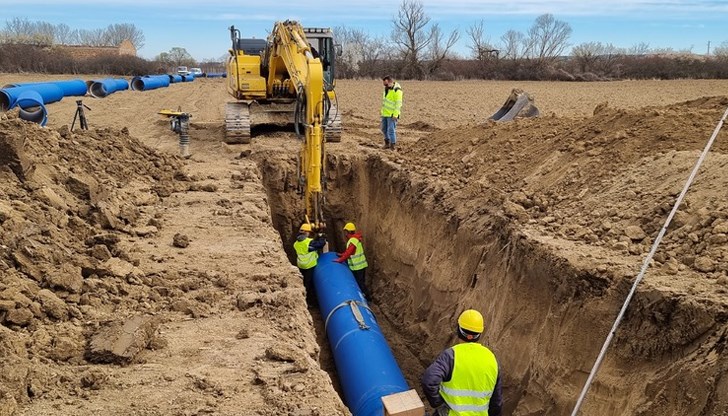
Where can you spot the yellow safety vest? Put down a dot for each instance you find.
(473, 380)
(392, 101)
(358, 260)
(305, 259)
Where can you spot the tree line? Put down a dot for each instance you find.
(417, 48)
(23, 31)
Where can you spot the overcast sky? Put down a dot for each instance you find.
(201, 26)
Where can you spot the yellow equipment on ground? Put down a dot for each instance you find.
(291, 74)
(179, 122)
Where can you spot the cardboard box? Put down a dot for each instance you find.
(406, 403)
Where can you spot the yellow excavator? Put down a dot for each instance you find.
(289, 77)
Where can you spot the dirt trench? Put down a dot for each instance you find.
(546, 312)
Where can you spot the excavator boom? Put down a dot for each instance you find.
(286, 70)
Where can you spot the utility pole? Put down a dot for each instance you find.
(708, 48)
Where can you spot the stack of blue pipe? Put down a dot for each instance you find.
(32, 97)
(100, 88)
(365, 364)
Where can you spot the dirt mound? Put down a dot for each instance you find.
(64, 197)
(607, 180)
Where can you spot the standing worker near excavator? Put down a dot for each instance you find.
(465, 379)
(354, 256)
(391, 106)
(307, 253)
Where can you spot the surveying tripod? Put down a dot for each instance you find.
(80, 115)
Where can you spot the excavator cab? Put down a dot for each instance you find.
(322, 43)
(265, 89)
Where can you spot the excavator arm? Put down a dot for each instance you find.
(291, 65)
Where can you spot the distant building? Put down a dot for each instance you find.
(87, 52)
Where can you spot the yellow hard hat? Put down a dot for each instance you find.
(350, 227)
(306, 227)
(471, 320)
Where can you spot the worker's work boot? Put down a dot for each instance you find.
(386, 144)
(391, 146)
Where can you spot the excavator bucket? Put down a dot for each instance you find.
(518, 104)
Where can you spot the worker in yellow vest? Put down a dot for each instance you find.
(391, 107)
(307, 253)
(464, 380)
(354, 256)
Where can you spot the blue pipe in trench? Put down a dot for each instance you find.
(365, 364)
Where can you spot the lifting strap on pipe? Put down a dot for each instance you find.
(354, 305)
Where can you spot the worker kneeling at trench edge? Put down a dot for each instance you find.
(355, 258)
(465, 379)
(307, 253)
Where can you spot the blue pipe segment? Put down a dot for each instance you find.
(164, 78)
(73, 87)
(188, 78)
(176, 78)
(122, 84)
(149, 83)
(102, 87)
(365, 364)
(49, 93)
(32, 107)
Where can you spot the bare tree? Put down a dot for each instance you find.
(548, 38)
(21, 30)
(721, 51)
(63, 34)
(92, 37)
(117, 33)
(411, 37)
(480, 46)
(596, 56)
(641, 48)
(358, 47)
(439, 49)
(514, 45)
(45, 31)
(176, 57)
(586, 54)
(353, 43)
(672, 51)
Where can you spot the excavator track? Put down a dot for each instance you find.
(237, 123)
(333, 128)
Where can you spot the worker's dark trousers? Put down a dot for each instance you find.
(308, 284)
(360, 276)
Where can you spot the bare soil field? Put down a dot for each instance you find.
(135, 282)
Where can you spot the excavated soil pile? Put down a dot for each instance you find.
(128, 288)
(64, 198)
(608, 181)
